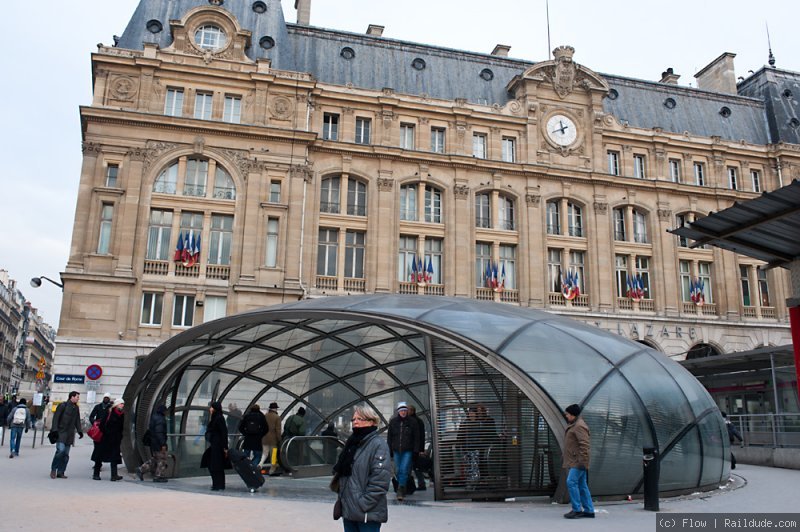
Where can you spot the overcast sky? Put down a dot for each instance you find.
(46, 64)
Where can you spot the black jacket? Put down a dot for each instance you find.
(158, 431)
(100, 411)
(67, 421)
(252, 439)
(217, 438)
(108, 449)
(403, 435)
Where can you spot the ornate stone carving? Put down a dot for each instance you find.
(387, 115)
(242, 161)
(600, 207)
(90, 149)
(423, 120)
(461, 102)
(385, 184)
(664, 215)
(661, 154)
(347, 110)
(461, 129)
(124, 88)
(533, 199)
(515, 107)
(281, 108)
(301, 170)
(564, 72)
(388, 91)
(151, 152)
(199, 145)
(461, 191)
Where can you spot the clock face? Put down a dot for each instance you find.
(561, 130)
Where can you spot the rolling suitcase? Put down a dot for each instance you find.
(247, 471)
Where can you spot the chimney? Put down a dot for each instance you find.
(669, 77)
(303, 8)
(375, 30)
(719, 75)
(501, 50)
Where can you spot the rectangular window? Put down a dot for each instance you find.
(183, 311)
(505, 214)
(433, 205)
(356, 197)
(613, 162)
(196, 178)
(483, 212)
(639, 227)
(363, 126)
(330, 126)
(271, 260)
(755, 177)
(763, 287)
(407, 141)
(152, 304)
(575, 220)
(479, 145)
(744, 281)
(639, 167)
(191, 225)
(553, 218)
(202, 105)
(112, 171)
(275, 192)
(554, 270)
(433, 260)
(704, 273)
(232, 112)
(619, 225)
(329, 195)
(219, 249)
(327, 252)
(621, 275)
(159, 234)
(106, 221)
(509, 149)
(699, 174)
(214, 308)
(643, 269)
(408, 202)
(577, 260)
(685, 272)
(507, 269)
(675, 170)
(437, 140)
(681, 220)
(406, 258)
(354, 250)
(173, 105)
(733, 178)
(483, 260)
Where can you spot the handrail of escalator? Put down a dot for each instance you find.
(297, 453)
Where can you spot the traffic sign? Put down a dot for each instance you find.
(94, 372)
(39, 375)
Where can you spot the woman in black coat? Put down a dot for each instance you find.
(253, 426)
(216, 455)
(108, 449)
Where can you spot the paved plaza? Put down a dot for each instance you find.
(31, 500)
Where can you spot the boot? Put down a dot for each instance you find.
(401, 493)
(96, 474)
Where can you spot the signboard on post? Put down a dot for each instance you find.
(94, 372)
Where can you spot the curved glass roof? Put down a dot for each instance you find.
(353, 348)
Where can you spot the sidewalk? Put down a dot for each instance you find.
(31, 500)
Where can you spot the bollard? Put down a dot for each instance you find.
(651, 474)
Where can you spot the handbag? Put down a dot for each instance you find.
(334, 485)
(337, 509)
(52, 436)
(95, 433)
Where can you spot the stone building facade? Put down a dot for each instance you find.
(232, 161)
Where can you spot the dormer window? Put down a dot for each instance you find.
(210, 37)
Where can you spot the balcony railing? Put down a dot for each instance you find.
(768, 313)
(749, 312)
(156, 267)
(509, 295)
(194, 190)
(556, 299)
(165, 188)
(218, 271)
(225, 193)
(624, 303)
(708, 309)
(187, 271)
(327, 283)
(434, 289)
(484, 294)
(357, 210)
(647, 305)
(352, 284)
(582, 301)
(407, 288)
(482, 222)
(328, 207)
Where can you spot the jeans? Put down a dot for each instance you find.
(16, 438)
(256, 456)
(357, 526)
(579, 490)
(402, 465)
(61, 458)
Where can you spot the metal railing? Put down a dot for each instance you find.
(310, 456)
(768, 430)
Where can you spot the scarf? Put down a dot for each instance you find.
(344, 466)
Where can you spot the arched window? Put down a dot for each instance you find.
(408, 202)
(575, 219)
(702, 351)
(194, 179)
(433, 205)
(483, 210)
(554, 217)
(356, 197)
(210, 37)
(506, 213)
(167, 181)
(224, 188)
(640, 227)
(638, 221)
(329, 195)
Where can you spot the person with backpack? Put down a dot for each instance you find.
(18, 419)
(253, 426)
(295, 426)
(158, 463)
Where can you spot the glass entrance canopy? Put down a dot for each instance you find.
(490, 381)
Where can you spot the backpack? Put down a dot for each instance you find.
(20, 416)
(252, 427)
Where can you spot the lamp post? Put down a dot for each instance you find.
(36, 282)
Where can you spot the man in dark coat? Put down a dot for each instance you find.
(412, 413)
(403, 440)
(296, 426)
(253, 426)
(108, 449)
(158, 447)
(577, 450)
(66, 422)
(216, 456)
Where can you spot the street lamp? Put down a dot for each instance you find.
(36, 282)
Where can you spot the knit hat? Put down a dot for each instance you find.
(118, 401)
(273, 406)
(107, 394)
(574, 410)
(402, 405)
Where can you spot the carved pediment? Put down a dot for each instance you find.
(233, 43)
(563, 74)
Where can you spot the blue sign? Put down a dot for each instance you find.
(71, 379)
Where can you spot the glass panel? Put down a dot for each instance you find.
(252, 333)
(374, 382)
(698, 397)
(289, 338)
(716, 468)
(490, 329)
(390, 352)
(346, 364)
(277, 368)
(320, 349)
(411, 372)
(364, 335)
(608, 344)
(297, 384)
(680, 467)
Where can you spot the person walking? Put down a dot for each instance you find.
(108, 448)
(3, 415)
(296, 426)
(418, 456)
(577, 448)
(157, 465)
(18, 419)
(66, 422)
(403, 441)
(733, 435)
(233, 419)
(216, 456)
(254, 427)
(272, 439)
(99, 413)
(363, 474)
